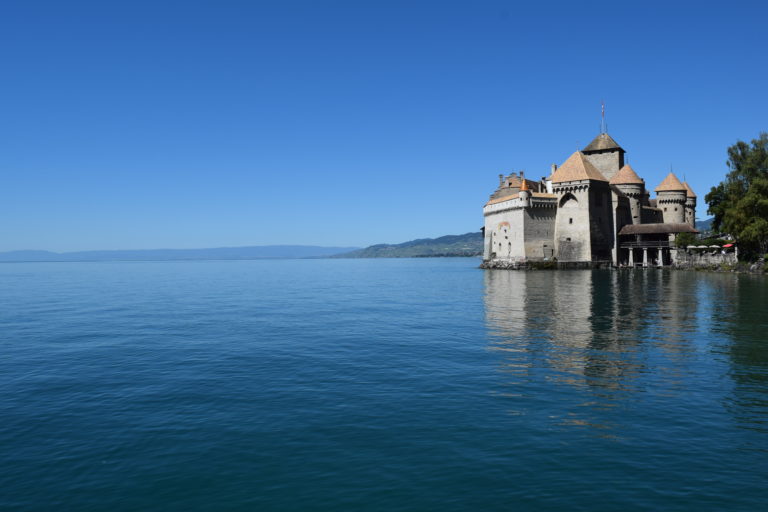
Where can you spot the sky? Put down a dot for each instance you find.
(183, 124)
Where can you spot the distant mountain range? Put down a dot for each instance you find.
(704, 225)
(468, 244)
(220, 253)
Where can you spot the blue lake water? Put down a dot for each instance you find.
(422, 384)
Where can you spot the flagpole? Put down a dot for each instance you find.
(602, 114)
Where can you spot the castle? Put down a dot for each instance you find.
(593, 210)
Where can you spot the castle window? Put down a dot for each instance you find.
(665, 208)
(570, 221)
(567, 239)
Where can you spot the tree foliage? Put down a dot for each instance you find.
(739, 203)
(685, 239)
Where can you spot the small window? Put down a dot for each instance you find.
(665, 209)
(567, 239)
(570, 221)
(675, 208)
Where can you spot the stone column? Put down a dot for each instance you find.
(645, 256)
(631, 257)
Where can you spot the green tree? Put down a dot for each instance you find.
(685, 239)
(739, 203)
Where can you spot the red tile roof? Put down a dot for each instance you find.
(577, 168)
(626, 176)
(670, 183)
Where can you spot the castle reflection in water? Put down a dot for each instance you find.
(605, 339)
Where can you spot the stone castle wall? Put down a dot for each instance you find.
(539, 233)
(572, 229)
(696, 258)
(504, 233)
(608, 163)
(601, 221)
(518, 233)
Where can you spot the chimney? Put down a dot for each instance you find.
(501, 180)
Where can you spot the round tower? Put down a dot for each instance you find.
(525, 192)
(690, 205)
(632, 186)
(671, 197)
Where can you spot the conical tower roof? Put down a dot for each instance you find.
(626, 176)
(601, 143)
(577, 168)
(689, 190)
(670, 184)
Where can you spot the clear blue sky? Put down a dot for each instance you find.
(128, 125)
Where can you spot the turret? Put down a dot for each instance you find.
(671, 197)
(690, 205)
(632, 186)
(525, 192)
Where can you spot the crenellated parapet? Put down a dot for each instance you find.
(516, 202)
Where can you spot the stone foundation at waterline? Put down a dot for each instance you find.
(705, 258)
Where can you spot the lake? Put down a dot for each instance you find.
(414, 384)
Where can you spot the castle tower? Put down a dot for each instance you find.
(583, 227)
(633, 187)
(605, 155)
(525, 191)
(671, 197)
(690, 205)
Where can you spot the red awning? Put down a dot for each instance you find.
(728, 245)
